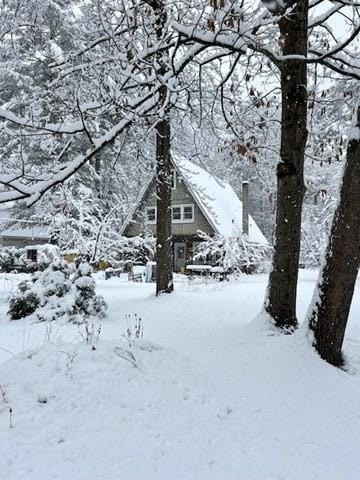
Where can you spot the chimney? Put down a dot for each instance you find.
(245, 207)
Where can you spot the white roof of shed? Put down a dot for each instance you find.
(26, 232)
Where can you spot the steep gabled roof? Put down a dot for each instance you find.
(135, 206)
(217, 200)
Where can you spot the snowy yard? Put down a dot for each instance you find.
(207, 393)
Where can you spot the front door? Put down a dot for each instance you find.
(179, 256)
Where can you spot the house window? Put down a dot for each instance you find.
(31, 255)
(176, 214)
(151, 215)
(189, 212)
(183, 213)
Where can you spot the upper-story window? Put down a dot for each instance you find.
(176, 213)
(188, 212)
(182, 213)
(151, 215)
(179, 214)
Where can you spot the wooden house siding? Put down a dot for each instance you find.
(180, 196)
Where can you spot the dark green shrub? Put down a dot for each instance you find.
(24, 304)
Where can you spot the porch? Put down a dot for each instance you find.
(183, 251)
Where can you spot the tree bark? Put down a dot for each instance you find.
(281, 296)
(333, 294)
(164, 251)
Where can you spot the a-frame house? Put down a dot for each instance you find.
(200, 202)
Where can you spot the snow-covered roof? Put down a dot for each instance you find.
(26, 232)
(217, 201)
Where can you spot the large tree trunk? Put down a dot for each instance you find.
(164, 255)
(333, 294)
(281, 296)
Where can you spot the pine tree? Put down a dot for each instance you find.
(87, 303)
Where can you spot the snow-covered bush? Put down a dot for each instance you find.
(87, 303)
(12, 258)
(53, 286)
(56, 293)
(315, 230)
(137, 249)
(233, 254)
(24, 302)
(44, 296)
(47, 254)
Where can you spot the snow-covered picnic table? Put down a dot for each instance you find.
(201, 269)
(207, 270)
(113, 272)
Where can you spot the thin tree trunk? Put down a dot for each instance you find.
(164, 250)
(281, 296)
(164, 255)
(333, 294)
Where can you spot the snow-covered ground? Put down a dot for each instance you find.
(207, 393)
